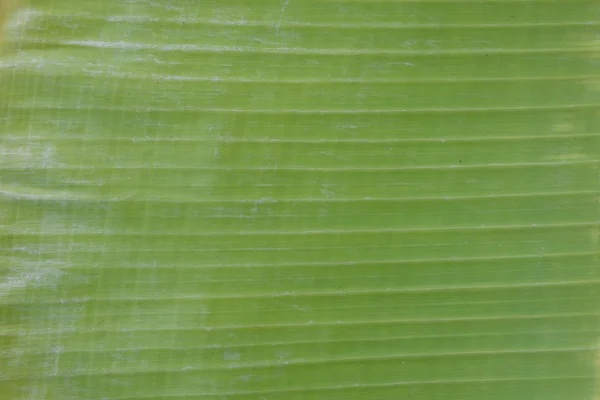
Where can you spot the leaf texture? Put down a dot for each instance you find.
(300, 199)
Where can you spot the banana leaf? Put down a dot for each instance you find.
(299, 199)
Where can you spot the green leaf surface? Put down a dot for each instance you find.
(300, 199)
